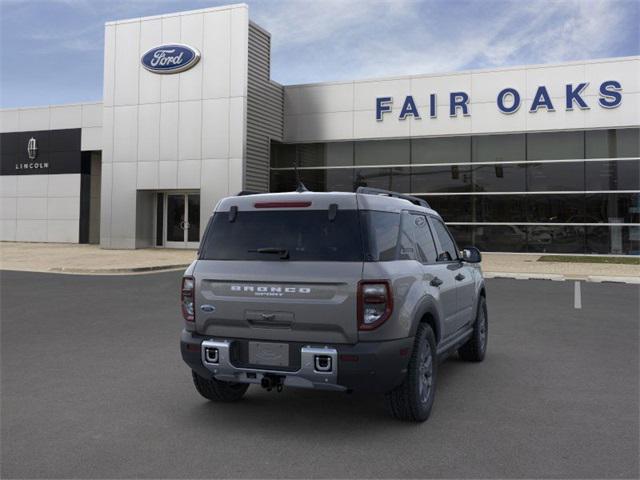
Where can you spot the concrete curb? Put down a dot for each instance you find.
(96, 271)
(561, 278)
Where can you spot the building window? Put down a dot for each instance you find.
(555, 145)
(440, 150)
(382, 152)
(499, 148)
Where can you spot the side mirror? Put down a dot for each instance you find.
(471, 255)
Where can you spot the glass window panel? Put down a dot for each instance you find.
(556, 239)
(555, 208)
(397, 179)
(424, 239)
(463, 235)
(438, 179)
(441, 150)
(193, 233)
(452, 208)
(613, 240)
(499, 148)
(310, 154)
(338, 154)
(499, 208)
(382, 152)
(381, 237)
(499, 178)
(613, 207)
(613, 175)
(500, 238)
(282, 181)
(555, 145)
(282, 155)
(543, 177)
(613, 143)
(448, 250)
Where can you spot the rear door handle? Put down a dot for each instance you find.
(459, 277)
(436, 282)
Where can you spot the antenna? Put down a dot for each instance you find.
(300, 186)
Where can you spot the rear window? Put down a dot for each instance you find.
(305, 235)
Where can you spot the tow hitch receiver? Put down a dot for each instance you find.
(269, 382)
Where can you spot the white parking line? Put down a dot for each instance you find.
(577, 296)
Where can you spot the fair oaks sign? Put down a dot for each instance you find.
(173, 58)
(508, 101)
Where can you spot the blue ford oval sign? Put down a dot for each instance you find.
(171, 58)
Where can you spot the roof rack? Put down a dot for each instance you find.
(389, 193)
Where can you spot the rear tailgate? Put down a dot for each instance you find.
(311, 302)
(281, 267)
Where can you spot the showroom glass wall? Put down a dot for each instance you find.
(562, 192)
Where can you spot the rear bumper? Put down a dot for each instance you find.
(363, 367)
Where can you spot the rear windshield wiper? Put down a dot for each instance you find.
(283, 252)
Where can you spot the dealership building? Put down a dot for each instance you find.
(541, 158)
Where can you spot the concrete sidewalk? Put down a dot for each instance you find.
(71, 258)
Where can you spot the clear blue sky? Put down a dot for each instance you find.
(51, 50)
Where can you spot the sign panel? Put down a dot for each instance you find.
(172, 58)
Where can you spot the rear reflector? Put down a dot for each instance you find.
(282, 204)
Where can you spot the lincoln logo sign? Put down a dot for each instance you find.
(172, 58)
(508, 101)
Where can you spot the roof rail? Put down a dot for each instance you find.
(389, 193)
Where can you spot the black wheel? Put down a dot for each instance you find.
(413, 399)
(476, 347)
(218, 391)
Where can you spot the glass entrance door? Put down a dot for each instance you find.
(182, 220)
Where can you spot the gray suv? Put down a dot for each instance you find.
(362, 291)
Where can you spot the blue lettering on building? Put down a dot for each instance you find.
(573, 95)
(541, 99)
(508, 101)
(610, 96)
(458, 100)
(383, 104)
(506, 93)
(409, 108)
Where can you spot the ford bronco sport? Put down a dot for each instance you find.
(362, 291)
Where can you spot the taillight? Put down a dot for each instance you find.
(186, 299)
(375, 303)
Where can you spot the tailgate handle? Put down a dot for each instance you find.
(270, 319)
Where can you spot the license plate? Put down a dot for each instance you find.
(267, 353)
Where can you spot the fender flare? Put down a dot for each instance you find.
(428, 306)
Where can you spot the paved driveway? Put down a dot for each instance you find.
(93, 386)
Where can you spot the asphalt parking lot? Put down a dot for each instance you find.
(93, 386)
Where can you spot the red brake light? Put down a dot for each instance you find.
(375, 303)
(187, 299)
(282, 204)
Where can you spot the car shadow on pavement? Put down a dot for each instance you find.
(324, 412)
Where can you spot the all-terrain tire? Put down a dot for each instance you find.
(218, 391)
(413, 399)
(476, 347)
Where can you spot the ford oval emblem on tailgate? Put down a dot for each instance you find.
(208, 308)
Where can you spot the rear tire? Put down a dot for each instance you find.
(413, 399)
(476, 347)
(218, 391)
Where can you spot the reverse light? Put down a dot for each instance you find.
(375, 303)
(187, 299)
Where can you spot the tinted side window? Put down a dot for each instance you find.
(449, 251)
(407, 238)
(424, 240)
(381, 231)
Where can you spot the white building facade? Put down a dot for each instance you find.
(539, 158)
